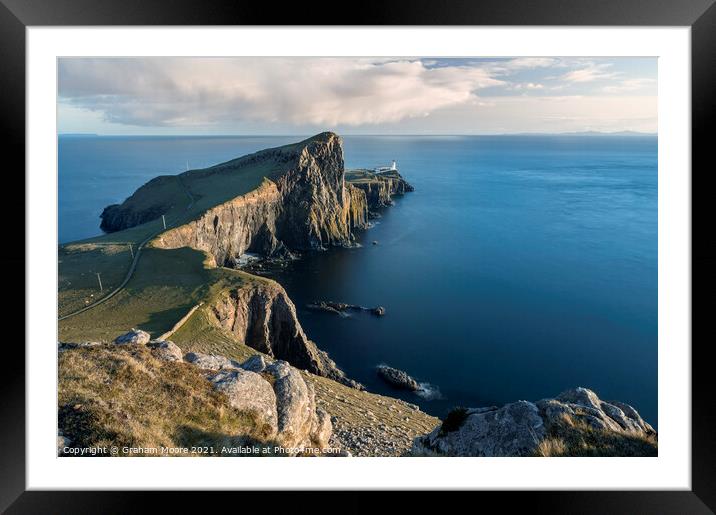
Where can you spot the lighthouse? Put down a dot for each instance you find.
(393, 165)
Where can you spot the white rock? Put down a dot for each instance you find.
(249, 392)
(210, 361)
(167, 350)
(135, 337)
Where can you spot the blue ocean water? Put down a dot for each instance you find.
(520, 266)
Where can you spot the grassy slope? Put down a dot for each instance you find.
(123, 396)
(360, 175)
(78, 268)
(165, 286)
(572, 437)
(197, 334)
(185, 196)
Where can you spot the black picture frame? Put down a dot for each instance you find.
(16, 15)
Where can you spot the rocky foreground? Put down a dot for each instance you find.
(105, 391)
(575, 423)
(139, 393)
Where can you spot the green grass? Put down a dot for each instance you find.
(198, 334)
(183, 198)
(360, 175)
(164, 287)
(78, 267)
(166, 283)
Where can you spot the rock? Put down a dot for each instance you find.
(323, 429)
(135, 337)
(64, 346)
(284, 405)
(340, 308)
(580, 396)
(633, 419)
(249, 392)
(62, 442)
(300, 422)
(262, 316)
(210, 361)
(397, 378)
(519, 428)
(166, 350)
(375, 242)
(379, 188)
(256, 363)
(295, 404)
(514, 430)
(306, 206)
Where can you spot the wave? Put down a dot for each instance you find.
(429, 392)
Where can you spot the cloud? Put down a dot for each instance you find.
(528, 85)
(630, 85)
(590, 73)
(532, 62)
(192, 92)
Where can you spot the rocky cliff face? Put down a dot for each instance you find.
(306, 205)
(264, 318)
(379, 188)
(575, 423)
(135, 210)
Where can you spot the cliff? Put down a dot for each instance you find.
(263, 317)
(298, 200)
(378, 187)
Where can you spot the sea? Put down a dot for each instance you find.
(519, 267)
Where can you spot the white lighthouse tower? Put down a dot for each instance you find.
(393, 165)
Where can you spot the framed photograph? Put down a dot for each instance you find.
(449, 248)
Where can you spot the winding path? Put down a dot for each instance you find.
(133, 266)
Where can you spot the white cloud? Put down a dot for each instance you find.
(195, 92)
(532, 62)
(528, 85)
(589, 73)
(630, 85)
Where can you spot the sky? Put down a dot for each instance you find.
(306, 95)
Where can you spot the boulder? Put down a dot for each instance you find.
(135, 337)
(210, 361)
(513, 430)
(277, 394)
(519, 428)
(295, 403)
(256, 363)
(62, 442)
(166, 350)
(378, 311)
(323, 430)
(249, 392)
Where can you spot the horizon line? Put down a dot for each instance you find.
(566, 133)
